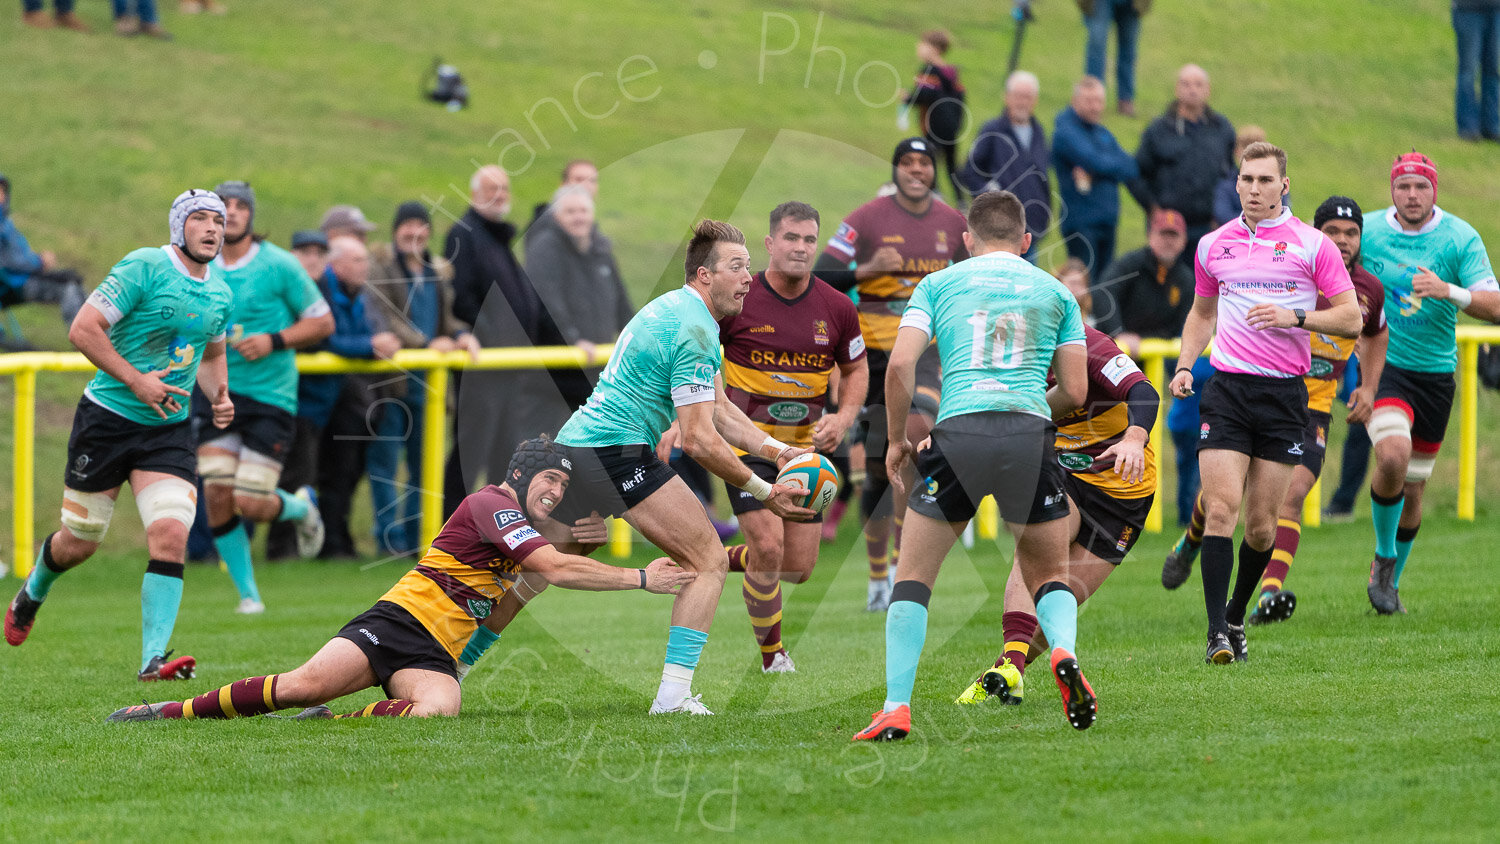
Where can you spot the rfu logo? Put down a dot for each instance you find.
(640, 475)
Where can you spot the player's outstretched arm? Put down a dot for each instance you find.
(570, 571)
(700, 439)
(1196, 332)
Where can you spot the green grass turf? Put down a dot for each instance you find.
(1343, 726)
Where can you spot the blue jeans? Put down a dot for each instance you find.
(1127, 23)
(1478, 55)
(144, 9)
(1094, 245)
(1185, 445)
(61, 7)
(397, 506)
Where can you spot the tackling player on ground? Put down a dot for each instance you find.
(408, 643)
(779, 355)
(277, 309)
(1000, 323)
(154, 327)
(1258, 280)
(1110, 480)
(1432, 265)
(1338, 217)
(882, 251)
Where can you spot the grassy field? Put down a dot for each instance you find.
(1344, 726)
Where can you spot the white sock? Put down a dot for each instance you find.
(676, 682)
(892, 706)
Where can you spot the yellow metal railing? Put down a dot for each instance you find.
(23, 368)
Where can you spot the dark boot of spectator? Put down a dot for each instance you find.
(38, 19)
(70, 20)
(127, 26)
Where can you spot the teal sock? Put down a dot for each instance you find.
(1405, 538)
(43, 573)
(293, 509)
(1057, 611)
(1386, 514)
(685, 646)
(478, 643)
(905, 635)
(234, 550)
(161, 596)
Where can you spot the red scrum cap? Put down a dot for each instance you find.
(1415, 164)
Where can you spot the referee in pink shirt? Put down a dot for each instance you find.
(1257, 282)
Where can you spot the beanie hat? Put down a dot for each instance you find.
(1339, 208)
(530, 459)
(1414, 164)
(411, 210)
(187, 202)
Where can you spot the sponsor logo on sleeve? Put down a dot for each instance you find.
(516, 538)
(856, 347)
(506, 518)
(1119, 368)
(844, 239)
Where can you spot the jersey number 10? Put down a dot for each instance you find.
(999, 344)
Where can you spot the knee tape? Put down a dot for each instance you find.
(86, 514)
(1419, 468)
(169, 498)
(257, 475)
(218, 469)
(1389, 423)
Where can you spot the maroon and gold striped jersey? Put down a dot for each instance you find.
(1330, 355)
(1089, 431)
(927, 243)
(472, 563)
(779, 353)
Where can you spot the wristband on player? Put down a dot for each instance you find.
(1182, 369)
(772, 445)
(757, 487)
(277, 341)
(643, 577)
(1460, 296)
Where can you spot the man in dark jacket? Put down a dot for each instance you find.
(492, 293)
(1182, 156)
(1149, 291)
(1011, 153)
(1090, 166)
(573, 266)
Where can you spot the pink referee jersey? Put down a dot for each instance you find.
(1284, 262)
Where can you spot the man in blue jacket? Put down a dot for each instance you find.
(28, 276)
(1011, 153)
(341, 404)
(1090, 167)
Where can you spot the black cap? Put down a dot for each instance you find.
(913, 145)
(411, 210)
(309, 237)
(533, 457)
(1339, 208)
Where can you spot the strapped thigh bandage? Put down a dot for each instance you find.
(168, 498)
(1389, 422)
(257, 474)
(86, 514)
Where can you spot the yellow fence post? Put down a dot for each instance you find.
(23, 478)
(434, 436)
(988, 518)
(620, 537)
(1312, 505)
(1468, 425)
(1156, 373)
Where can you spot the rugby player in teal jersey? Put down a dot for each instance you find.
(665, 367)
(154, 327)
(277, 309)
(1000, 324)
(1432, 265)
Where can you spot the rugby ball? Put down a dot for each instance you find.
(814, 473)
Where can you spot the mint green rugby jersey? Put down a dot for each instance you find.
(271, 291)
(160, 318)
(997, 321)
(1421, 330)
(666, 357)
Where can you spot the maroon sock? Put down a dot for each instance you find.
(251, 696)
(383, 708)
(1288, 535)
(1019, 628)
(737, 556)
